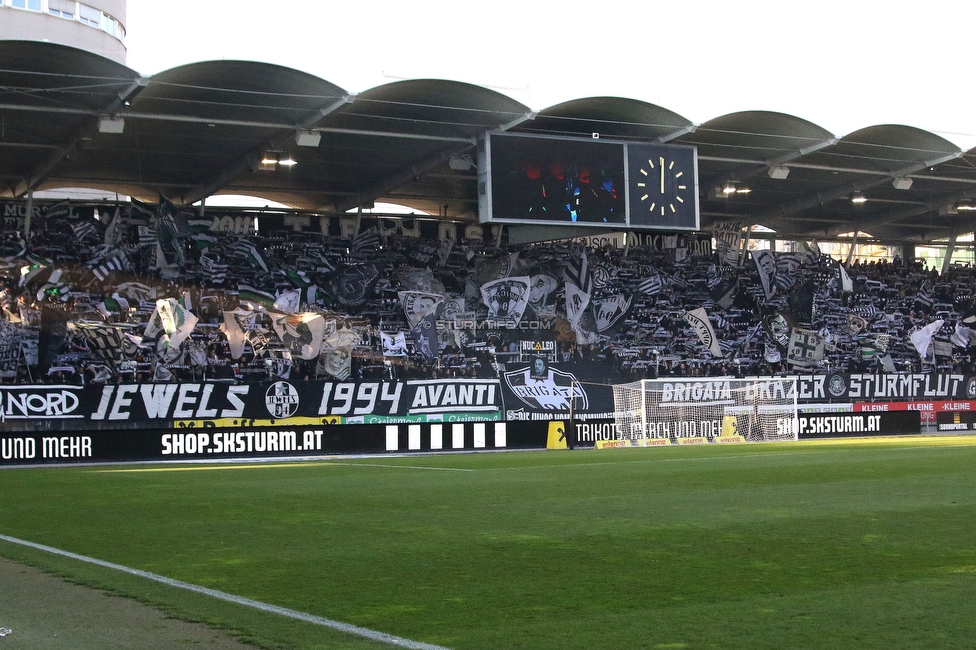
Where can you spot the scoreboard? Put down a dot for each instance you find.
(530, 179)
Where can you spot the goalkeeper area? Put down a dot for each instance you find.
(754, 409)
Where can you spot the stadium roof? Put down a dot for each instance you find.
(204, 128)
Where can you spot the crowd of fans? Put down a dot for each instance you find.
(72, 274)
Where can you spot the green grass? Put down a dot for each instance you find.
(750, 546)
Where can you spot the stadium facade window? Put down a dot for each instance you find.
(62, 8)
(89, 15)
(32, 5)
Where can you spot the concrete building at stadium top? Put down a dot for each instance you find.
(97, 26)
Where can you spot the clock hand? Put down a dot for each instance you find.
(662, 174)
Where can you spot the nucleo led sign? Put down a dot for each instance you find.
(528, 179)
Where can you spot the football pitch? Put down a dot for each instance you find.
(826, 544)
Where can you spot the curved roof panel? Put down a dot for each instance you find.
(73, 119)
(610, 117)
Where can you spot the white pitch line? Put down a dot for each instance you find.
(366, 633)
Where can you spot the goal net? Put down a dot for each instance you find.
(753, 409)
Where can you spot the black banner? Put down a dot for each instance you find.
(216, 443)
(869, 387)
(841, 425)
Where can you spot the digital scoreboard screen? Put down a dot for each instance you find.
(527, 179)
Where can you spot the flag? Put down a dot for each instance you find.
(801, 303)
(887, 363)
(104, 270)
(650, 286)
(288, 301)
(417, 305)
(923, 297)
(922, 337)
(53, 336)
(301, 333)
(806, 348)
(766, 265)
(961, 336)
(506, 298)
(170, 324)
(728, 240)
(698, 319)
(235, 327)
(83, 228)
(258, 298)
(856, 324)
(365, 241)
(105, 341)
(338, 362)
(424, 335)
(394, 345)
(845, 280)
(609, 313)
(353, 284)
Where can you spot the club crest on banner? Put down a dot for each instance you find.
(281, 400)
(544, 388)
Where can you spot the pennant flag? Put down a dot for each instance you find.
(922, 338)
(301, 333)
(698, 319)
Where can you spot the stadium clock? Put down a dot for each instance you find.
(663, 185)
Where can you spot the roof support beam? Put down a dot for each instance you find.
(819, 198)
(415, 171)
(895, 216)
(86, 131)
(753, 168)
(251, 159)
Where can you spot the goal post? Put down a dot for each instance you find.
(721, 408)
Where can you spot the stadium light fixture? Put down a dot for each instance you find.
(111, 124)
(779, 172)
(288, 162)
(902, 183)
(858, 197)
(729, 188)
(308, 138)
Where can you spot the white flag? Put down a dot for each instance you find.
(698, 319)
(922, 338)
